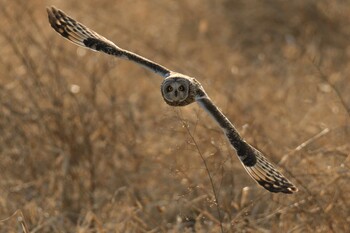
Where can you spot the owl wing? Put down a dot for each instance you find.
(254, 162)
(81, 35)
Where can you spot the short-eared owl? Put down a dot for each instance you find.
(178, 90)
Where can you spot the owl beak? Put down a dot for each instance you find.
(175, 93)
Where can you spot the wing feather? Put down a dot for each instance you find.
(254, 162)
(81, 35)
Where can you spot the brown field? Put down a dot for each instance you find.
(87, 143)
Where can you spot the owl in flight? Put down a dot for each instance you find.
(178, 90)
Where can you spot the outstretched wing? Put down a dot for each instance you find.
(85, 37)
(254, 162)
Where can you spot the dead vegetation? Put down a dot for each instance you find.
(88, 145)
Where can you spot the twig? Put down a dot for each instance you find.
(325, 79)
(304, 144)
(206, 168)
(20, 219)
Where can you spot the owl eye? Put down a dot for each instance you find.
(169, 88)
(181, 88)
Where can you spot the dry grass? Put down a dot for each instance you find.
(88, 145)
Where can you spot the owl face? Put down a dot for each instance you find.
(176, 91)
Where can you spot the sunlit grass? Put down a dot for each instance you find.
(88, 145)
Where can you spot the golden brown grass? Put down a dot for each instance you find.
(88, 145)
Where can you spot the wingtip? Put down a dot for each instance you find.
(51, 12)
(267, 175)
(290, 190)
(286, 188)
(293, 189)
(51, 9)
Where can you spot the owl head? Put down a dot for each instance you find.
(179, 90)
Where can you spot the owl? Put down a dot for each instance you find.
(178, 90)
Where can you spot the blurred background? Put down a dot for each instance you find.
(87, 143)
